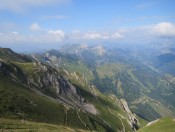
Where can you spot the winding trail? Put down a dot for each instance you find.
(82, 120)
(117, 117)
(65, 110)
(104, 121)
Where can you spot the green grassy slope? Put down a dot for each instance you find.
(148, 94)
(18, 102)
(78, 67)
(110, 69)
(28, 126)
(162, 125)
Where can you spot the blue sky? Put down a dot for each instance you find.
(49, 23)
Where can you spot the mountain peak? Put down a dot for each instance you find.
(8, 54)
(6, 51)
(100, 50)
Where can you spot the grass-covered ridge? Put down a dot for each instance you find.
(161, 125)
(8, 55)
(28, 68)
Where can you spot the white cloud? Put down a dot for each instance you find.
(12, 37)
(92, 35)
(141, 35)
(35, 27)
(15, 33)
(117, 36)
(21, 5)
(54, 36)
(165, 29)
(57, 34)
(46, 37)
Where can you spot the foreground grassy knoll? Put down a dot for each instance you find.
(26, 126)
(162, 125)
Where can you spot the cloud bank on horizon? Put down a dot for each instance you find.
(44, 23)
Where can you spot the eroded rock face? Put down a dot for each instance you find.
(51, 83)
(49, 80)
(133, 121)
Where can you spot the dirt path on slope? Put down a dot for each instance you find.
(117, 117)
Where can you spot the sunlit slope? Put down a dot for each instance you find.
(162, 125)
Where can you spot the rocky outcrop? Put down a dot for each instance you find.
(133, 121)
(51, 83)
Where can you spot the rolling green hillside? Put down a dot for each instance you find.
(161, 125)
